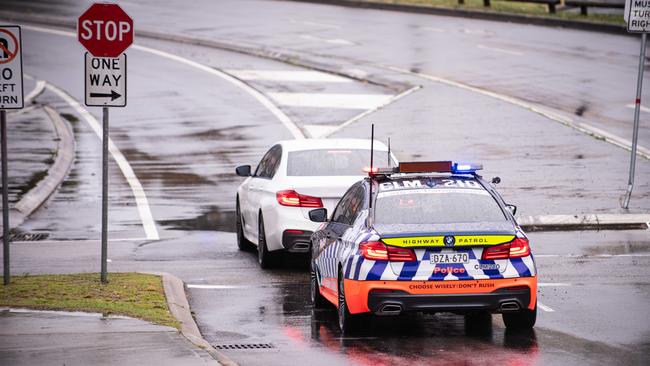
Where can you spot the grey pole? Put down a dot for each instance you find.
(104, 274)
(635, 134)
(5, 199)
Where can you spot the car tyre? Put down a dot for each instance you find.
(317, 299)
(264, 257)
(242, 243)
(521, 320)
(348, 323)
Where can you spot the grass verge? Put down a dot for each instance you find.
(131, 294)
(513, 8)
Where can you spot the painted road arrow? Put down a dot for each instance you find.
(113, 95)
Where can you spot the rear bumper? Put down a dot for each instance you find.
(452, 296)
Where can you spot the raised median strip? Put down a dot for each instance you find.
(440, 8)
(585, 222)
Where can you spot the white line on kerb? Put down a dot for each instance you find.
(579, 126)
(642, 108)
(38, 89)
(284, 119)
(544, 307)
(136, 187)
(215, 287)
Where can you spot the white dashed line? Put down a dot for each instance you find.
(288, 75)
(544, 307)
(333, 100)
(553, 284)
(136, 187)
(501, 50)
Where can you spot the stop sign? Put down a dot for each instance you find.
(105, 30)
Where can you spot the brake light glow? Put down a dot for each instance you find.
(295, 199)
(515, 249)
(374, 250)
(368, 170)
(397, 254)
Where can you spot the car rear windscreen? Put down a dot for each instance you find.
(329, 162)
(440, 206)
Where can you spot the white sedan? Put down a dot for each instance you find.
(294, 177)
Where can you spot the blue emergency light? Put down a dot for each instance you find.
(465, 168)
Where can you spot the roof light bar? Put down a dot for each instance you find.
(425, 166)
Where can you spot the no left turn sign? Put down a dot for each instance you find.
(11, 68)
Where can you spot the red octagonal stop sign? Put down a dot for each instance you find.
(105, 30)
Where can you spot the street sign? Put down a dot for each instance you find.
(105, 81)
(11, 68)
(105, 30)
(638, 16)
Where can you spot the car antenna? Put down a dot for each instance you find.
(372, 150)
(388, 157)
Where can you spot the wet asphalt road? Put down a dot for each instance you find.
(184, 130)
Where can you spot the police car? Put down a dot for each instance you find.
(423, 237)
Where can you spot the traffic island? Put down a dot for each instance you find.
(132, 294)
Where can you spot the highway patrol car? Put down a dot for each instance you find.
(427, 237)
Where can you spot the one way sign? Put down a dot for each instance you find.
(105, 81)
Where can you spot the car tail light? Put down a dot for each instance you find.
(293, 198)
(519, 248)
(515, 249)
(397, 254)
(374, 250)
(367, 169)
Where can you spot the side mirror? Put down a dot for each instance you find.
(512, 209)
(243, 170)
(496, 180)
(318, 215)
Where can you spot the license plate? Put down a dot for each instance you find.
(450, 258)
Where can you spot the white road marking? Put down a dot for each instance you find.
(288, 75)
(580, 126)
(502, 50)
(319, 131)
(643, 108)
(215, 287)
(38, 89)
(432, 29)
(591, 255)
(109, 260)
(284, 119)
(337, 41)
(323, 100)
(544, 307)
(553, 284)
(315, 24)
(136, 187)
(369, 111)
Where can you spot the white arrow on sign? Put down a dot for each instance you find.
(105, 81)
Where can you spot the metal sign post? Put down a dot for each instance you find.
(11, 97)
(106, 31)
(638, 21)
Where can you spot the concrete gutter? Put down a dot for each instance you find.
(476, 14)
(57, 172)
(585, 222)
(180, 309)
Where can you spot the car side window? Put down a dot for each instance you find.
(341, 208)
(269, 163)
(354, 206)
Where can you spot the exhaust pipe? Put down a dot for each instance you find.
(390, 309)
(509, 306)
